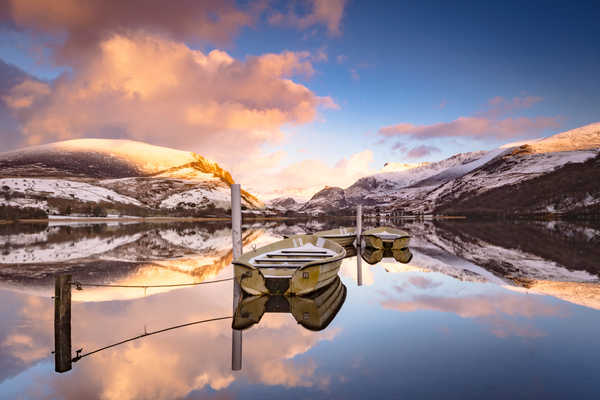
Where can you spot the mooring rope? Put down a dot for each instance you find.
(80, 356)
(79, 285)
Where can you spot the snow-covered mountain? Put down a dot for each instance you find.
(326, 201)
(125, 176)
(284, 204)
(443, 186)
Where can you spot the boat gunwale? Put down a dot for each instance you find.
(340, 251)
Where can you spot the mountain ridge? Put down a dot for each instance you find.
(440, 186)
(115, 173)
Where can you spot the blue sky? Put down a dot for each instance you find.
(415, 68)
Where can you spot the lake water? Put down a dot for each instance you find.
(482, 310)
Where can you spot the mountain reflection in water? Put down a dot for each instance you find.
(479, 308)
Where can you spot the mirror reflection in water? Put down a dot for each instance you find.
(129, 298)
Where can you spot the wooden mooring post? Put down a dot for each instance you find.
(358, 225)
(236, 239)
(359, 278)
(62, 323)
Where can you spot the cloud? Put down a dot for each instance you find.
(86, 23)
(326, 12)
(304, 178)
(341, 58)
(423, 283)
(422, 151)
(491, 123)
(211, 103)
(500, 106)
(491, 309)
(11, 77)
(398, 147)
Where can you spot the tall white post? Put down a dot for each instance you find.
(358, 225)
(236, 220)
(359, 277)
(236, 239)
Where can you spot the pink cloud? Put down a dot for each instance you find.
(491, 309)
(211, 103)
(484, 124)
(326, 12)
(499, 106)
(398, 147)
(304, 178)
(422, 151)
(87, 23)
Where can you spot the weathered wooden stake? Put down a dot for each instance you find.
(236, 236)
(62, 323)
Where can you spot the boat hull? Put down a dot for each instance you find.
(281, 279)
(314, 311)
(379, 243)
(302, 281)
(385, 238)
(343, 236)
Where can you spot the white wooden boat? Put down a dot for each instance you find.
(385, 237)
(297, 265)
(314, 311)
(343, 236)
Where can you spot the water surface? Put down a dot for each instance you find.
(482, 309)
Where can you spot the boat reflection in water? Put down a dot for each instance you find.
(314, 311)
(373, 256)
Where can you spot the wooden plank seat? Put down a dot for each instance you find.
(278, 260)
(290, 255)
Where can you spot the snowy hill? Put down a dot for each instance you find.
(78, 175)
(284, 204)
(446, 184)
(327, 201)
(396, 166)
(582, 138)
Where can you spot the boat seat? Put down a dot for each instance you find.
(280, 266)
(292, 257)
(270, 260)
(297, 254)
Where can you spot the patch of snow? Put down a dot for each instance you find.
(198, 240)
(582, 138)
(22, 202)
(198, 197)
(23, 238)
(65, 189)
(396, 166)
(65, 251)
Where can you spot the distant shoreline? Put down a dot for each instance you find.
(202, 219)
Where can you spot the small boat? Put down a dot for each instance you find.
(297, 265)
(385, 237)
(342, 235)
(314, 311)
(373, 256)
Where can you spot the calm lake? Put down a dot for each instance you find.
(482, 310)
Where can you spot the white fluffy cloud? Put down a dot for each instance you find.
(152, 89)
(304, 178)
